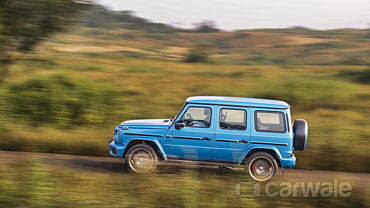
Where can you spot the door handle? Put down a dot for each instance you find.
(206, 139)
(243, 141)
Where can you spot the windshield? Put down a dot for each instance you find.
(174, 118)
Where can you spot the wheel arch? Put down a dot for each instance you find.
(273, 151)
(149, 141)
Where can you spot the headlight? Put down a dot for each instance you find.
(116, 135)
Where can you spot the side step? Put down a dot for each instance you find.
(204, 163)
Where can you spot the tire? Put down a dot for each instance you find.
(300, 130)
(262, 166)
(141, 158)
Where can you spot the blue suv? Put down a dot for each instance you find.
(213, 130)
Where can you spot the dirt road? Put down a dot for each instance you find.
(115, 166)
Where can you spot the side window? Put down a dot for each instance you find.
(197, 117)
(233, 119)
(270, 121)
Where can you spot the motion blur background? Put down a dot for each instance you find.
(71, 71)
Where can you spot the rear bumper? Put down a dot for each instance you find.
(288, 162)
(116, 150)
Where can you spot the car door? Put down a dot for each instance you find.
(195, 140)
(232, 134)
(270, 128)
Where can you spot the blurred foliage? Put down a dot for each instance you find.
(356, 59)
(98, 17)
(68, 96)
(309, 93)
(206, 26)
(59, 100)
(336, 107)
(199, 53)
(65, 182)
(24, 24)
(360, 76)
(292, 46)
(117, 67)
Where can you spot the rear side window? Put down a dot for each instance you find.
(233, 119)
(270, 121)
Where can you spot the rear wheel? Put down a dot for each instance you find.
(262, 166)
(141, 158)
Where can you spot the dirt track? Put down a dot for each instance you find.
(115, 166)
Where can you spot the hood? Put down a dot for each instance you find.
(147, 123)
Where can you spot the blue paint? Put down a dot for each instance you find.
(212, 143)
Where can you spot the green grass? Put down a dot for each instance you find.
(335, 106)
(309, 93)
(59, 100)
(57, 182)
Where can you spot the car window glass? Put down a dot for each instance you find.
(270, 121)
(233, 119)
(197, 117)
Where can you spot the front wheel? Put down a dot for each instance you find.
(261, 166)
(141, 158)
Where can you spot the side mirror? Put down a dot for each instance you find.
(179, 124)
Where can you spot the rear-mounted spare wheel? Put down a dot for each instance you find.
(300, 130)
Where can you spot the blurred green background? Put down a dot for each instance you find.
(67, 92)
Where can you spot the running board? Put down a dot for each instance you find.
(205, 163)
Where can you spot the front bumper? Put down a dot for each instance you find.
(116, 150)
(288, 162)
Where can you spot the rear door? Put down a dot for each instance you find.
(270, 128)
(232, 134)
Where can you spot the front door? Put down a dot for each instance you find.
(195, 140)
(232, 133)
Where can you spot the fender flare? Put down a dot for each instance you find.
(260, 147)
(149, 139)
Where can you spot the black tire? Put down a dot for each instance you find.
(262, 166)
(300, 130)
(141, 158)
